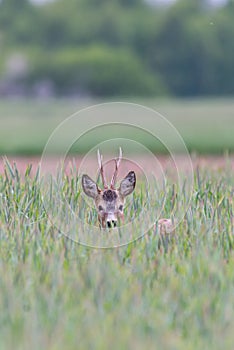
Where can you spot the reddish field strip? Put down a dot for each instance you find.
(210, 162)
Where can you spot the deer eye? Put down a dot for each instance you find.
(121, 207)
(100, 208)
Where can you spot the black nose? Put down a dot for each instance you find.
(111, 223)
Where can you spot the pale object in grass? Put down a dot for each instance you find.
(166, 226)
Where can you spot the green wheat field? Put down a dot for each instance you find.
(173, 291)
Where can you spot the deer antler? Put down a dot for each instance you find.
(99, 156)
(117, 163)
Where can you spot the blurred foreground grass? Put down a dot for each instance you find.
(172, 292)
(207, 126)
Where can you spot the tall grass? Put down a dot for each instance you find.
(159, 292)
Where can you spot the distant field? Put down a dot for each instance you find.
(207, 126)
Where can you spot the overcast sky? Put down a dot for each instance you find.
(215, 2)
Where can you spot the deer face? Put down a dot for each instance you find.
(109, 201)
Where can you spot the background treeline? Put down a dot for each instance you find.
(116, 47)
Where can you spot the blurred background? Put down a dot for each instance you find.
(58, 56)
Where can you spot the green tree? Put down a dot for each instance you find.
(186, 49)
(95, 70)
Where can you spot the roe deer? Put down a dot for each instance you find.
(110, 200)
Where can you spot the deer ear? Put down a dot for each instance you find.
(89, 186)
(127, 185)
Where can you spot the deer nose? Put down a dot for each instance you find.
(111, 223)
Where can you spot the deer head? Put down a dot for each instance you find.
(109, 201)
